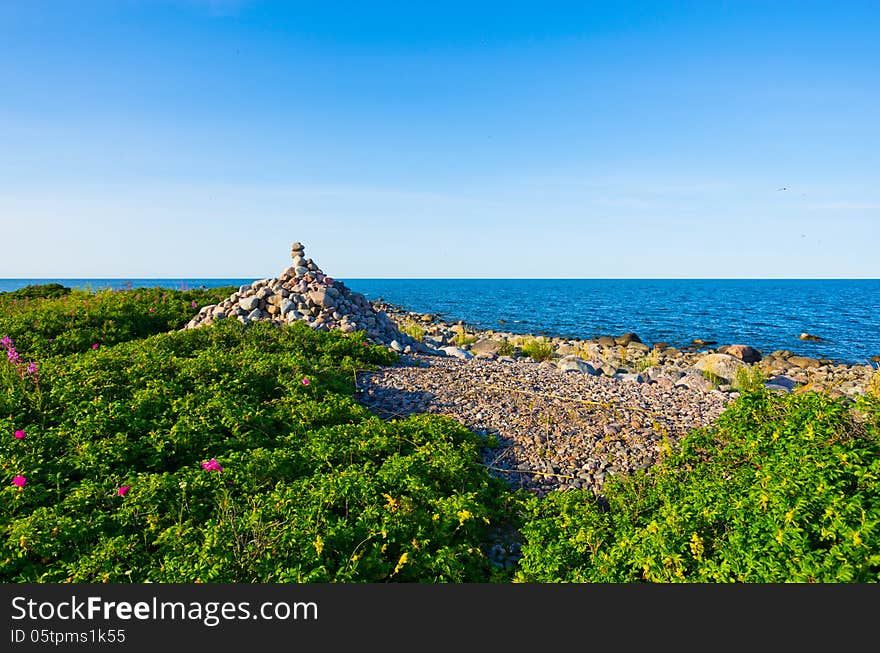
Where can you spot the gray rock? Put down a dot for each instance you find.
(245, 288)
(782, 381)
(575, 364)
(803, 361)
(485, 346)
(255, 314)
(723, 366)
(248, 303)
(694, 382)
(457, 352)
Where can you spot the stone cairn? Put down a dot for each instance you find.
(303, 292)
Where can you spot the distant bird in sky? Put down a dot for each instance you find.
(778, 189)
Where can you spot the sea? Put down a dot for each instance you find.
(768, 314)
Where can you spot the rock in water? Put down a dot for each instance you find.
(306, 294)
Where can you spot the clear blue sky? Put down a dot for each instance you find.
(199, 138)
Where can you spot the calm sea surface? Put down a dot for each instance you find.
(768, 314)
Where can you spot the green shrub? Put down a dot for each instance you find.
(461, 339)
(39, 291)
(413, 329)
(749, 379)
(506, 348)
(783, 488)
(309, 486)
(539, 349)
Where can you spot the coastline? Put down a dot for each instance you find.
(588, 408)
(705, 366)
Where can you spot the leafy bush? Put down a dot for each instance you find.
(461, 339)
(782, 488)
(39, 291)
(749, 378)
(80, 319)
(506, 348)
(874, 385)
(232, 454)
(539, 349)
(413, 329)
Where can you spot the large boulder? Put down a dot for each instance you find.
(722, 366)
(803, 361)
(485, 346)
(575, 364)
(743, 352)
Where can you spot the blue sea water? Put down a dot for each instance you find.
(767, 314)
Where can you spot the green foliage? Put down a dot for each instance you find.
(749, 378)
(413, 329)
(539, 349)
(712, 378)
(461, 339)
(506, 348)
(783, 488)
(74, 322)
(313, 487)
(874, 385)
(39, 291)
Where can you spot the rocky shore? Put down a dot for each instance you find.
(569, 413)
(701, 366)
(566, 413)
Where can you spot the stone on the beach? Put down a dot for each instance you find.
(723, 366)
(694, 382)
(803, 361)
(485, 346)
(456, 352)
(637, 348)
(782, 381)
(743, 352)
(630, 377)
(626, 338)
(575, 364)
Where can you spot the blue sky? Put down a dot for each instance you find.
(199, 138)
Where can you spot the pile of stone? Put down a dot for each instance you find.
(304, 293)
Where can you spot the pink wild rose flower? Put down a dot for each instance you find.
(19, 481)
(20, 434)
(212, 466)
(122, 490)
